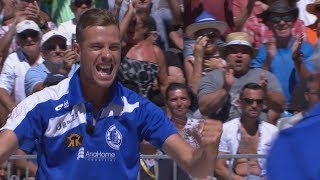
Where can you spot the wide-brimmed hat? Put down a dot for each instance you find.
(204, 21)
(280, 6)
(237, 38)
(313, 8)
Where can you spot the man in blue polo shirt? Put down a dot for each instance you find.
(89, 126)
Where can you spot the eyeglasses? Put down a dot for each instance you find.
(277, 19)
(210, 34)
(250, 101)
(25, 35)
(52, 47)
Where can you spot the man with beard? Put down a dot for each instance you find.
(287, 57)
(246, 135)
(219, 89)
(58, 64)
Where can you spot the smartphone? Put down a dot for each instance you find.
(73, 40)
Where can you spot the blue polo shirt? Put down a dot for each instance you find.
(58, 118)
(282, 65)
(295, 153)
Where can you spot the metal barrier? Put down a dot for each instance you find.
(222, 156)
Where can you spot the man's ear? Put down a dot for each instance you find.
(77, 48)
(155, 36)
(239, 103)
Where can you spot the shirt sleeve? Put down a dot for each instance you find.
(156, 127)
(33, 77)
(7, 76)
(223, 146)
(260, 58)
(282, 162)
(212, 81)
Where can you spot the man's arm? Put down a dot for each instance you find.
(6, 41)
(8, 144)
(6, 100)
(222, 169)
(198, 162)
(212, 102)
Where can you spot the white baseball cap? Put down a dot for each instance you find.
(25, 25)
(51, 34)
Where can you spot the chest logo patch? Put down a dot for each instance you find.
(73, 140)
(114, 137)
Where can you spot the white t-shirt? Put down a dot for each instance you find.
(13, 74)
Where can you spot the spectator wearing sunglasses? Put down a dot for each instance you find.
(260, 32)
(206, 31)
(219, 89)
(285, 55)
(58, 65)
(247, 134)
(68, 28)
(17, 64)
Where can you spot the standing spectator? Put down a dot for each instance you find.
(17, 64)
(219, 89)
(246, 135)
(58, 64)
(284, 50)
(144, 61)
(68, 28)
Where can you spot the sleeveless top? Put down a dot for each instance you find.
(138, 75)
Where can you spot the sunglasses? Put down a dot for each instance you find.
(209, 34)
(79, 3)
(250, 101)
(52, 47)
(32, 34)
(277, 19)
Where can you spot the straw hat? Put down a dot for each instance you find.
(204, 21)
(313, 8)
(280, 6)
(238, 38)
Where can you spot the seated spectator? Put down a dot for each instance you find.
(206, 30)
(15, 12)
(307, 91)
(58, 64)
(68, 28)
(17, 64)
(178, 101)
(247, 134)
(219, 89)
(284, 50)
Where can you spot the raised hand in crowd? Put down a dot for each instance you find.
(271, 52)
(228, 78)
(69, 59)
(213, 63)
(296, 48)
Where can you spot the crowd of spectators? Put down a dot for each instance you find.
(250, 64)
